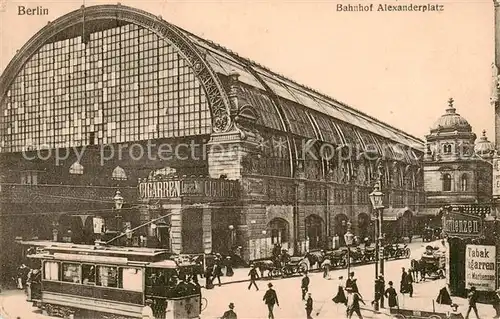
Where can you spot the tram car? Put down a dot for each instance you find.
(85, 281)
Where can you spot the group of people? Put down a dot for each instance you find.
(216, 271)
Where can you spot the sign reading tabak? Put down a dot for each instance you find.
(188, 187)
(462, 224)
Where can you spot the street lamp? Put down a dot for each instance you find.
(264, 233)
(377, 198)
(118, 205)
(349, 237)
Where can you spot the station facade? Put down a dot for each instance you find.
(235, 156)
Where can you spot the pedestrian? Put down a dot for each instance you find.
(147, 311)
(350, 279)
(496, 303)
(353, 300)
(270, 299)
(217, 271)
(305, 285)
(391, 295)
(230, 314)
(326, 267)
(409, 284)
(340, 297)
(208, 278)
(379, 291)
(472, 298)
(253, 276)
(229, 267)
(309, 306)
(403, 283)
(443, 297)
(354, 285)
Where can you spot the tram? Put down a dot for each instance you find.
(85, 281)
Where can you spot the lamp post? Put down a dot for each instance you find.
(118, 205)
(231, 237)
(264, 233)
(349, 237)
(377, 198)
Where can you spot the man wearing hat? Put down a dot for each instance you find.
(379, 291)
(147, 311)
(253, 276)
(230, 314)
(270, 299)
(353, 300)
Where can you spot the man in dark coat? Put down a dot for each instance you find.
(271, 299)
(379, 291)
(403, 283)
(496, 303)
(305, 285)
(309, 306)
(230, 314)
(350, 279)
(353, 300)
(253, 276)
(472, 297)
(409, 284)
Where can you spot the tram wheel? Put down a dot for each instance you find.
(398, 316)
(204, 304)
(434, 317)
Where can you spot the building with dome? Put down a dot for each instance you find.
(275, 162)
(456, 169)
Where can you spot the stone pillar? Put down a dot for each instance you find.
(176, 229)
(301, 235)
(207, 230)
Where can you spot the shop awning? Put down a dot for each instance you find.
(427, 212)
(393, 214)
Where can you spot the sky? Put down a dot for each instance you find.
(399, 67)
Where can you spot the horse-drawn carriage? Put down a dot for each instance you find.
(277, 268)
(431, 264)
(397, 251)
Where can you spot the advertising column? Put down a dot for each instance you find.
(480, 267)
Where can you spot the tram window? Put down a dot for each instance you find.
(51, 270)
(88, 274)
(71, 273)
(132, 278)
(107, 276)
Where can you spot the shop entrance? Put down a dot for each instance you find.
(192, 231)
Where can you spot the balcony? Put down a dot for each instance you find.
(62, 194)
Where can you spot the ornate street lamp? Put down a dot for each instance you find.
(377, 198)
(348, 237)
(118, 205)
(231, 237)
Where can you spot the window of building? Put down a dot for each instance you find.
(446, 182)
(107, 276)
(51, 270)
(29, 177)
(76, 169)
(71, 273)
(464, 183)
(119, 174)
(279, 231)
(447, 148)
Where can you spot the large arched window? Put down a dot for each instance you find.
(446, 182)
(119, 174)
(464, 183)
(279, 230)
(76, 169)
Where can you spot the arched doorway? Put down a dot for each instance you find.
(363, 226)
(341, 228)
(314, 231)
(279, 230)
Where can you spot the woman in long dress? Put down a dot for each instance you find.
(391, 295)
(340, 298)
